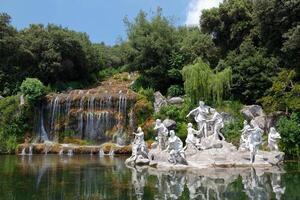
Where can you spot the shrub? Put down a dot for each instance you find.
(231, 131)
(143, 109)
(175, 90)
(33, 89)
(289, 129)
(148, 93)
(14, 122)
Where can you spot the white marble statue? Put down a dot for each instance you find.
(273, 138)
(200, 115)
(218, 123)
(254, 140)
(245, 132)
(139, 149)
(192, 136)
(175, 149)
(162, 134)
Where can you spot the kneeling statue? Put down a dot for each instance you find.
(175, 149)
(139, 149)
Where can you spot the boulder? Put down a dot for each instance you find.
(272, 118)
(170, 124)
(252, 111)
(261, 121)
(159, 101)
(176, 100)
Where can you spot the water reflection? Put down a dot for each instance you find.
(210, 183)
(93, 177)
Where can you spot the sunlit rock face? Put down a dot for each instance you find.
(100, 114)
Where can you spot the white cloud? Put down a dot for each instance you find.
(195, 8)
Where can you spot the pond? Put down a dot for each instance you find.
(93, 177)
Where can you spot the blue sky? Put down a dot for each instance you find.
(102, 20)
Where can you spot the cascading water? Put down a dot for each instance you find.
(94, 115)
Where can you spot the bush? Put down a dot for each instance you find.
(289, 129)
(148, 93)
(143, 109)
(231, 131)
(107, 72)
(15, 121)
(175, 90)
(33, 89)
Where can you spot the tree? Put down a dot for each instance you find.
(252, 71)
(33, 89)
(291, 48)
(152, 43)
(284, 94)
(289, 128)
(201, 82)
(274, 18)
(229, 24)
(196, 44)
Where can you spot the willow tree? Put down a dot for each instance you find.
(201, 82)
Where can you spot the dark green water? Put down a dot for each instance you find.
(91, 177)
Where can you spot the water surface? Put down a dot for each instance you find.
(91, 177)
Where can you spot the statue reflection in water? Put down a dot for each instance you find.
(208, 183)
(257, 188)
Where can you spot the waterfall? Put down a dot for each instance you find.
(30, 150)
(23, 152)
(70, 152)
(101, 153)
(42, 132)
(61, 152)
(94, 115)
(111, 152)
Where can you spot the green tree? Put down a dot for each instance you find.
(229, 24)
(152, 42)
(284, 94)
(196, 44)
(33, 89)
(274, 18)
(201, 82)
(252, 71)
(289, 128)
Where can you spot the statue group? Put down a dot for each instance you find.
(206, 138)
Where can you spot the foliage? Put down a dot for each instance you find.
(50, 53)
(230, 23)
(289, 129)
(143, 109)
(152, 42)
(284, 94)
(148, 93)
(15, 121)
(175, 90)
(231, 131)
(177, 113)
(33, 89)
(201, 82)
(107, 72)
(252, 72)
(196, 44)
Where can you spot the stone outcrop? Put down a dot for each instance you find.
(169, 124)
(159, 101)
(175, 100)
(255, 115)
(252, 111)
